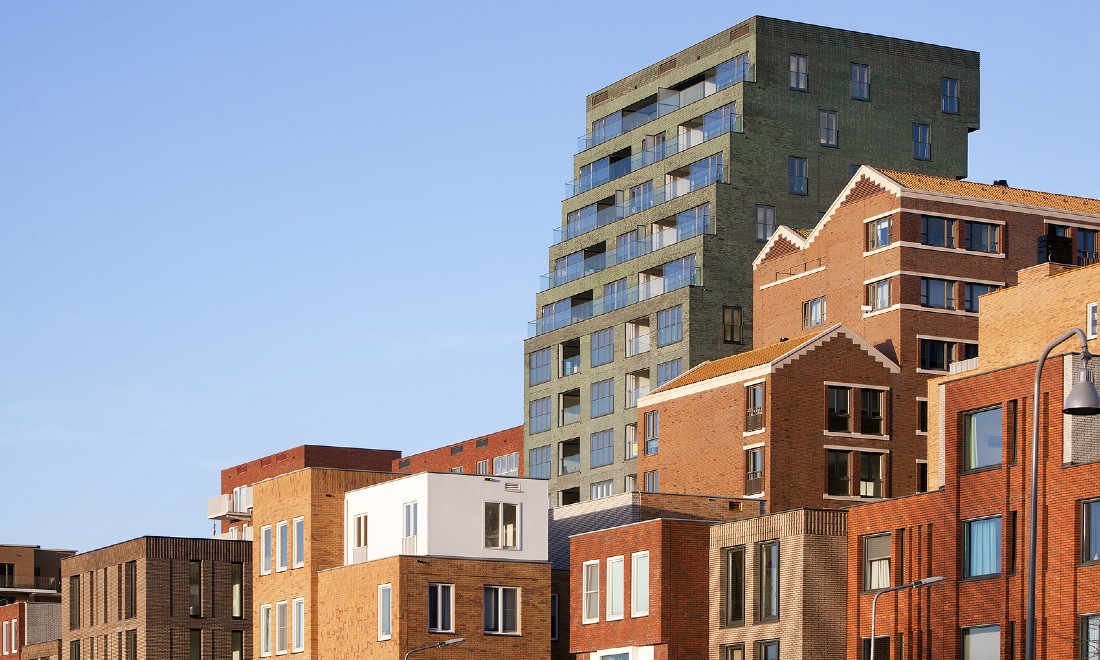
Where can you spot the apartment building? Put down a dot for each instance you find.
(157, 598)
(499, 454)
(904, 259)
(799, 423)
(684, 170)
(30, 630)
(974, 530)
(30, 573)
(434, 557)
(232, 509)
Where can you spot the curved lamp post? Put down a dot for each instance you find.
(923, 582)
(1082, 400)
(437, 645)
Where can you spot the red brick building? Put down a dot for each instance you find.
(499, 453)
(29, 628)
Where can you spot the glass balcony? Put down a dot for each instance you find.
(587, 310)
(637, 346)
(571, 365)
(691, 137)
(570, 464)
(633, 395)
(668, 100)
(570, 414)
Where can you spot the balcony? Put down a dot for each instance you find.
(359, 555)
(694, 133)
(668, 100)
(408, 545)
(230, 506)
(236, 534)
(20, 583)
(633, 395)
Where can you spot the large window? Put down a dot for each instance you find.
(615, 588)
(539, 418)
(870, 411)
(265, 630)
(827, 125)
(798, 179)
(949, 96)
(670, 326)
(937, 293)
(194, 588)
(639, 584)
(630, 444)
(937, 231)
(800, 77)
(590, 585)
(982, 438)
(813, 312)
(732, 325)
(1086, 247)
(973, 291)
(733, 652)
(838, 401)
(569, 456)
(878, 295)
(130, 586)
(981, 643)
(502, 610)
(876, 562)
(601, 489)
(298, 625)
(603, 397)
(982, 547)
(236, 643)
(922, 142)
(882, 647)
(506, 465)
(651, 482)
(767, 554)
(538, 367)
(754, 407)
(652, 431)
(982, 236)
(410, 524)
(870, 474)
(603, 448)
(936, 354)
(754, 471)
(385, 612)
(299, 542)
(666, 371)
(839, 472)
(265, 550)
(765, 222)
(441, 607)
(280, 628)
(74, 602)
(1090, 637)
(768, 650)
(283, 555)
(861, 82)
(735, 586)
(603, 346)
(501, 525)
(878, 233)
(539, 463)
(1090, 546)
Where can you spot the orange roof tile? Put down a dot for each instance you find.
(994, 193)
(804, 233)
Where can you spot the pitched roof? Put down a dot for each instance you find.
(802, 232)
(728, 365)
(937, 184)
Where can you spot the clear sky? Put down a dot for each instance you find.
(229, 228)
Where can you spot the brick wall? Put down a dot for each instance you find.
(13, 615)
(466, 454)
(41, 651)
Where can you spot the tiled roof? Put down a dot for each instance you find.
(728, 365)
(994, 193)
(804, 233)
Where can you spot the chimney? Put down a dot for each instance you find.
(1001, 182)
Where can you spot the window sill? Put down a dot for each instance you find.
(502, 634)
(851, 498)
(618, 617)
(302, 565)
(754, 496)
(860, 436)
(934, 372)
(441, 632)
(980, 578)
(756, 432)
(639, 615)
(979, 470)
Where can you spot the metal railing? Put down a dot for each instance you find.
(30, 583)
(754, 482)
(800, 268)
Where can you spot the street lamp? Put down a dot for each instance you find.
(923, 582)
(457, 640)
(1082, 400)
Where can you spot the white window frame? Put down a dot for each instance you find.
(15, 635)
(639, 586)
(500, 526)
(298, 539)
(616, 587)
(439, 602)
(602, 489)
(282, 540)
(588, 588)
(281, 606)
(265, 630)
(298, 615)
(409, 531)
(1091, 320)
(359, 531)
(482, 467)
(6, 633)
(265, 549)
(387, 633)
(500, 611)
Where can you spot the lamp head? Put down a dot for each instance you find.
(928, 581)
(1083, 398)
(457, 640)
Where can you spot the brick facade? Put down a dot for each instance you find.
(466, 455)
(34, 573)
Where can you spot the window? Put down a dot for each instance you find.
(265, 630)
(876, 562)
(936, 354)
(630, 483)
(768, 560)
(982, 438)
(813, 312)
(639, 584)
(298, 627)
(283, 553)
(861, 82)
(800, 79)
(440, 607)
(949, 96)
(502, 610)
(569, 353)
(922, 476)
(590, 585)
(131, 645)
(539, 463)
(735, 586)
(626, 245)
(603, 397)
(7, 638)
(666, 371)
(1091, 527)
(457, 469)
(236, 642)
(553, 617)
(652, 429)
(569, 454)
(615, 588)
(603, 346)
(870, 474)
(754, 471)
(280, 628)
(236, 580)
(501, 525)
(538, 367)
(982, 547)
(922, 415)
(840, 417)
(651, 482)
(130, 587)
(878, 233)
(630, 449)
(870, 421)
(74, 602)
(194, 588)
(506, 465)
(539, 416)
(1086, 247)
(826, 120)
(299, 542)
(482, 467)
(838, 468)
(410, 522)
(732, 325)
(754, 407)
(937, 293)
(385, 629)
(878, 295)
(937, 231)
(768, 650)
(74, 650)
(194, 645)
(981, 643)
(733, 652)
(602, 489)
(765, 222)
(603, 448)
(614, 295)
(922, 142)
(882, 647)
(973, 291)
(798, 183)
(670, 326)
(1090, 637)
(982, 236)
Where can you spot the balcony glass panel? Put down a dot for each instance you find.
(633, 395)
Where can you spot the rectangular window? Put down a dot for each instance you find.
(639, 584)
(936, 293)
(667, 371)
(502, 610)
(265, 630)
(74, 650)
(630, 449)
(754, 407)
(236, 643)
(800, 78)
(194, 645)
(949, 96)
(482, 467)
(861, 82)
(385, 620)
(768, 560)
(982, 547)
(922, 142)
(603, 346)
(754, 471)
(299, 542)
(280, 628)
(735, 586)
(440, 607)
(569, 455)
(982, 236)
(630, 483)
(7, 638)
(410, 523)
(870, 412)
(602, 489)
(194, 588)
(603, 448)
(922, 415)
(651, 482)
(615, 588)
(539, 416)
(798, 181)
(1090, 546)
(882, 647)
(670, 326)
(813, 312)
(283, 539)
(652, 430)
(765, 222)
(733, 652)
(1086, 247)
(538, 465)
(298, 626)
(981, 643)
(236, 589)
(615, 295)
(768, 650)
(838, 399)
(876, 562)
(839, 472)
(982, 438)
(506, 465)
(553, 617)
(878, 233)
(501, 525)
(870, 474)
(922, 476)
(74, 602)
(733, 325)
(936, 354)
(973, 291)
(603, 397)
(590, 585)
(131, 589)
(878, 295)
(1090, 637)
(827, 125)
(937, 231)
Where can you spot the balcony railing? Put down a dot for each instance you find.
(570, 464)
(639, 248)
(19, 583)
(754, 482)
(637, 346)
(570, 414)
(408, 545)
(236, 534)
(668, 192)
(571, 365)
(359, 555)
(686, 140)
(230, 506)
(599, 306)
(633, 395)
(671, 102)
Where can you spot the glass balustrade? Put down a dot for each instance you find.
(633, 395)
(637, 346)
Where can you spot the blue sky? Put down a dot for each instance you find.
(228, 228)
